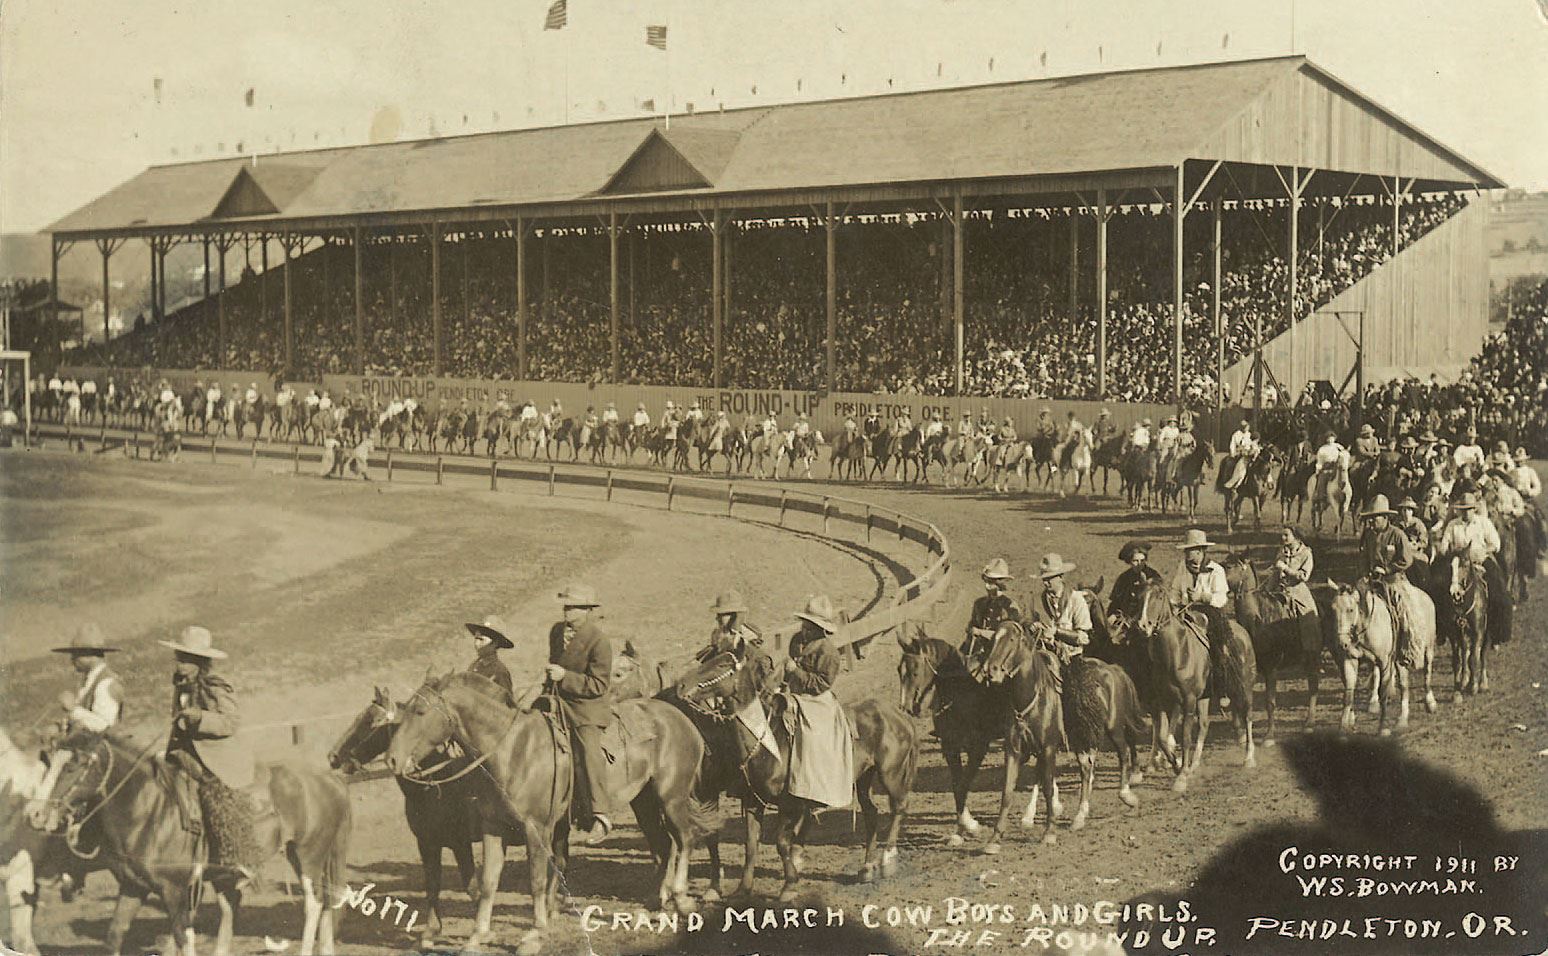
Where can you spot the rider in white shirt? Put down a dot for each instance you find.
(641, 416)
(252, 393)
(965, 427)
(211, 401)
(410, 404)
(696, 413)
(770, 426)
(1332, 454)
(1528, 485)
(1166, 438)
(803, 427)
(285, 395)
(610, 414)
(1140, 437)
(935, 426)
(1470, 453)
(313, 400)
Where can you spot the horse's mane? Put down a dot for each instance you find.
(477, 683)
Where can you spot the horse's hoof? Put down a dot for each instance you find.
(1128, 798)
(531, 944)
(992, 848)
(868, 873)
(1180, 785)
(1050, 838)
(889, 863)
(1271, 742)
(1137, 777)
(1079, 822)
(1430, 705)
(1386, 732)
(955, 840)
(1250, 761)
(685, 904)
(710, 895)
(788, 894)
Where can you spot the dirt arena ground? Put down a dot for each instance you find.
(321, 590)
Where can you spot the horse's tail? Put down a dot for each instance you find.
(1237, 671)
(1085, 706)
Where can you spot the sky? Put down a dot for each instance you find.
(92, 93)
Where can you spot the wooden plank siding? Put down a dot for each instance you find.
(1426, 309)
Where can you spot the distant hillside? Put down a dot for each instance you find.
(1517, 236)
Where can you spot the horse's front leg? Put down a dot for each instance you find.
(128, 903)
(752, 818)
(489, 885)
(791, 822)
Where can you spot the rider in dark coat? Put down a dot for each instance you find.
(989, 612)
(488, 641)
(580, 670)
(1138, 576)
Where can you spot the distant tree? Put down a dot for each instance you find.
(1509, 246)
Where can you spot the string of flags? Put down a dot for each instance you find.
(558, 15)
(656, 36)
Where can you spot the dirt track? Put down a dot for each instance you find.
(325, 589)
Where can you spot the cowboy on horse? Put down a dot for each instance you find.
(488, 641)
(579, 673)
(97, 705)
(994, 608)
(730, 635)
(1199, 584)
(1067, 630)
(1386, 553)
(1244, 448)
(821, 755)
(204, 719)
(1135, 579)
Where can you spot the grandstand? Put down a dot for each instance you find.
(1125, 236)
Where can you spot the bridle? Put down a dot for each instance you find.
(65, 803)
(458, 735)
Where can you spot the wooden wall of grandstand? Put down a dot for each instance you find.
(1211, 140)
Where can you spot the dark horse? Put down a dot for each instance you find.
(1188, 474)
(439, 815)
(848, 460)
(527, 759)
(128, 792)
(1276, 639)
(721, 691)
(1180, 679)
(969, 715)
(1261, 481)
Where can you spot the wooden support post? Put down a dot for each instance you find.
(782, 501)
(958, 300)
(263, 277)
(827, 503)
(255, 453)
(521, 299)
(494, 475)
(671, 491)
(1178, 211)
(717, 291)
(285, 242)
(610, 484)
(440, 469)
(614, 364)
(730, 496)
(1292, 283)
(830, 363)
(105, 246)
(1219, 319)
(725, 270)
(359, 305)
(392, 280)
(1101, 292)
(551, 481)
(161, 277)
(467, 285)
(155, 307)
(297, 456)
(868, 524)
(206, 243)
(213, 457)
(435, 295)
(389, 464)
(221, 245)
(297, 735)
(1074, 265)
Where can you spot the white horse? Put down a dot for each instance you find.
(1080, 460)
(1330, 488)
(24, 779)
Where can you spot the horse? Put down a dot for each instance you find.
(1295, 481)
(1276, 640)
(1108, 456)
(497, 426)
(1260, 481)
(1468, 594)
(1044, 463)
(803, 451)
(128, 793)
(880, 448)
(1181, 668)
(527, 760)
(770, 446)
(1331, 489)
(908, 448)
(440, 815)
(1362, 630)
(736, 704)
(736, 450)
(1139, 475)
(1188, 475)
(848, 458)
(470, 431)
(1006, 459)
(1076, 460)
(968, 715)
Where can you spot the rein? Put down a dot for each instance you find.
(73, 828)
(440, 704)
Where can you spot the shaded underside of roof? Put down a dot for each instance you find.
(1145, 119)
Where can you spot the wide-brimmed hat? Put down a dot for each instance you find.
(1129, 550)
(1408, 442)
(729, 602)
(1429, 435)
(1366, 430)
(819, 610)
(1466, 502)
(579, 595)
(1521, 454)
(1104, 413)
(1195, 538)
(87, 639)
(1053, 566)
(1378, 506)
(996, 570)
(492, 628)
(1502, 446)
(1408, 502)
(197, 641)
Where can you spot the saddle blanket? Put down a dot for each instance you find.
(756, 720)
(822, 759)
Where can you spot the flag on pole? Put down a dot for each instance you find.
(156, 86)
(656, 36)
(558, 15)
(248, 97)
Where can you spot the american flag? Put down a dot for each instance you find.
(656, 36)
(558, 15)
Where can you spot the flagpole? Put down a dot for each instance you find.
(566, 78)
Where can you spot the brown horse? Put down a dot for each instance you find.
(1277, 642)
(527, 759)
(1469, 598)
(736, 704)
(1025, 709)
(1180, 677)
(439, 815)
(128, 793)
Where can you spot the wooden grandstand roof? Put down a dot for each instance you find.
(1281, 111)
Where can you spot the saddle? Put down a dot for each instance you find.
(1196, 623)
(224, 821)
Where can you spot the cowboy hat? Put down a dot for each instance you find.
(1366, 430)
(492, 628)
(579, 595)
(197, 641)
(729, 602)
(1429, 435)
(819, 610)
(1467, 502)
(1379, 506)
(1104, 413)
(1053, 566)
(1128, 551)
(1195, 538)
(1521, 454)
(996, 570)
(1502, 445)
(1409, 503)
(87, 639)
(1408, 442)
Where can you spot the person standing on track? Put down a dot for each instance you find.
(488, 641)
(579, 673)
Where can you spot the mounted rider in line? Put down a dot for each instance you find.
(994, 608)
(489, 639)
(1135, 580)
(1063, 636)
(1331, 460)
(1244, 448)
(730, 635)
(1199, 584)
(1292, 571)
(579, 674)
(1385, 556)
(821, 752)
(97, 705)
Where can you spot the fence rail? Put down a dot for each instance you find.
(915, 596)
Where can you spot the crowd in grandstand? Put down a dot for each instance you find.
(895, 333)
